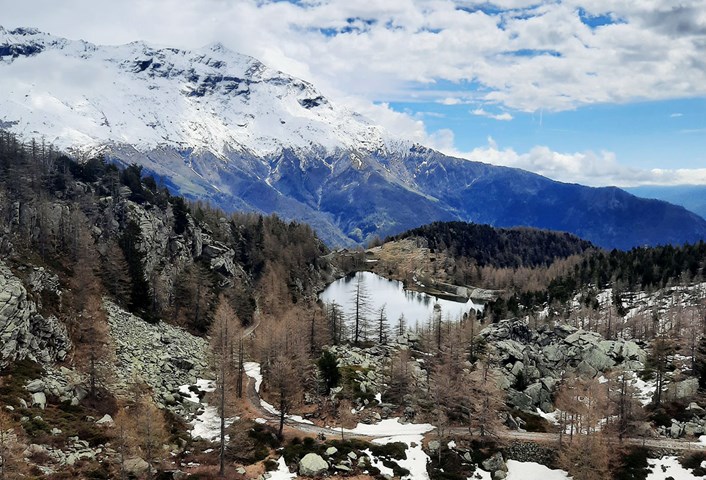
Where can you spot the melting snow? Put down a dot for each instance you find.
(645, 389)
(549, 417)
(282, 472)
(669, 467)
(207, 424)
(533, 471)
(377, 463)
(408, 433)
(252, 370)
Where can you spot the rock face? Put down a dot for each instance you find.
(684, 389)
(24, 333)
(531, 361)
(165, 357)
(312, 465)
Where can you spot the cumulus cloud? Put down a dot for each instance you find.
(507, 55)
(524, 55)
(495, 116)
(587, 168)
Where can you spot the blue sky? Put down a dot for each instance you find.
(600, 92)
(649, 134)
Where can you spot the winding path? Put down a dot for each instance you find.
(537, 437)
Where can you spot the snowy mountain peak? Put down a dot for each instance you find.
(210, 99)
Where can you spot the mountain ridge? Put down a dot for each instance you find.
(220, 126)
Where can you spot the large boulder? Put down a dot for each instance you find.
(312, 465)
(684, 389)
(495, 463)
(598, 359)
(39, 400)
(136, 466)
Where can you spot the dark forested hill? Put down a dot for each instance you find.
(499, 247)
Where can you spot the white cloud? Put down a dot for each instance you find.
(540, 56)
(495, 116)
(587, 168)
(536, 56)
(676, 115)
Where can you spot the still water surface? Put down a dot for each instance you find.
(416, 306)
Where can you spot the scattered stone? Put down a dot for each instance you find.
(35, 386)
(537, 358)
(106, 420)
(331, 451)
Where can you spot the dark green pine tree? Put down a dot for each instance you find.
(700, 364)
(328, 368)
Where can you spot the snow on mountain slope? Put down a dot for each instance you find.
(219, 126)
(79, 95)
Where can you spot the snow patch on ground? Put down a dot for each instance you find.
(377, 463)
(416, 461)
(276, 412)
(645, 389)
(252, 370)
(207, 424)
(390, 428)
(549, 417)
(282, 472)
(481, 475)
(408, 433)
(533, 471)
(669, 467)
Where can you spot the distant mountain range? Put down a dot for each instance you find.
(691, 197)
(216, 125)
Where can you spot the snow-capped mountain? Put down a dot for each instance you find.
(221, 126)
(77, 94)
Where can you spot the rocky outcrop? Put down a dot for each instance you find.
(74, 451)
(63, 384)
(24, 333)
(682, 389)
(163, 356)
(531, 361)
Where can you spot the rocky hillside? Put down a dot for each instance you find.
(109, 286)
(25, 333)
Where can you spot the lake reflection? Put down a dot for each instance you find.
(416, 306)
